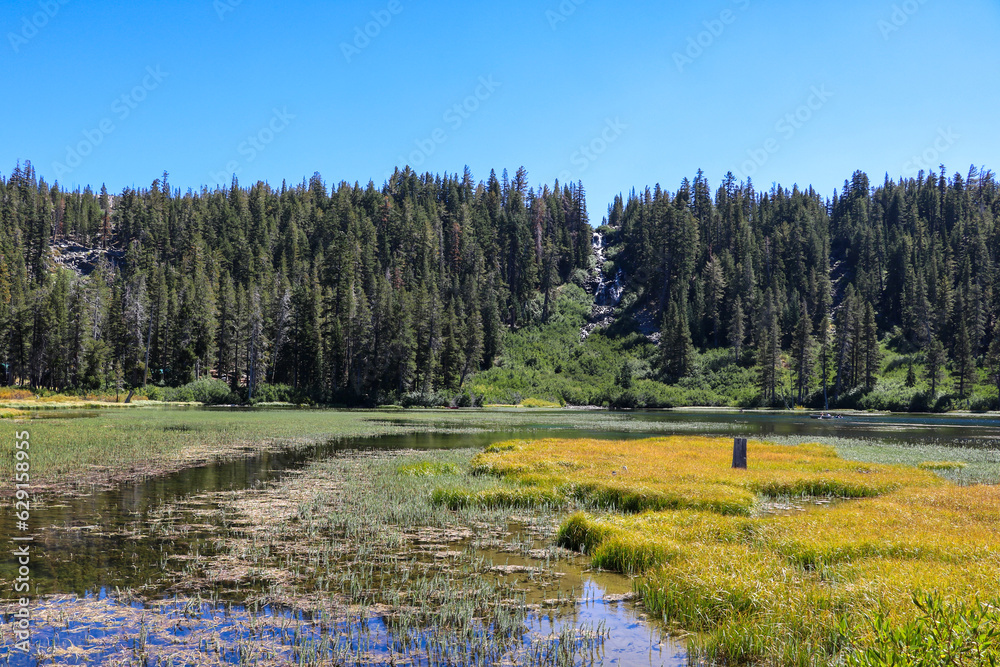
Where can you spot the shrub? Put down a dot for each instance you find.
(419, 399)
(539, 403)
(207, 390)
(943, 634)
(280, 393)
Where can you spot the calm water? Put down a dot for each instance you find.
(95, 543)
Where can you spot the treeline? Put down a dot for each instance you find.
(812, 290)
(350, 295)
(403, 292)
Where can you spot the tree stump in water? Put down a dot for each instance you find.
(740, 453)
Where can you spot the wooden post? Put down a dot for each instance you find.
(740, 453)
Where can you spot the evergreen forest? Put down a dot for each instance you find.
(441, 290)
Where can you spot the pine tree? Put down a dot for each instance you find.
(408, 286)
(846, 330)
(715, 289)
(226, 335)
(826, 358)
(872, 353)
(993, 357)
(935, 360)
(769, 349)
(677, 356)
(803, 350)
(965, 365)
(736, 331)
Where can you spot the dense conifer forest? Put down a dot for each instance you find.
(439, 289)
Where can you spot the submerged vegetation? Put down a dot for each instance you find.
(793, 583)
(347, 562)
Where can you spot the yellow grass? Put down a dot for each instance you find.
(777, 589)
(690, 472)
(538, 403)
(14, 393)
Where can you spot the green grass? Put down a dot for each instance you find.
(538, 403)
(941, 465)
(965, 465)
(428, 469)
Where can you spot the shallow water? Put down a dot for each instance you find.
(94, 544)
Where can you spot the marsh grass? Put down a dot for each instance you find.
(981, 466)
(428, 469)
(338, 538)
(345, 562)
(941, 465)
(112, 446)
(797, 588)
(981, 457)
(684, 473)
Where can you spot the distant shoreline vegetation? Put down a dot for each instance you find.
(437, 290)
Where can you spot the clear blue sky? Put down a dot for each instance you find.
(786, 92)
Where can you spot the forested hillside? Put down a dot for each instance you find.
(880, 297)
(359, 295)
(820, 288)
(433, 289)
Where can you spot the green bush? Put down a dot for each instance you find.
(943, 635)
(207, 390)
(279, 393)
(418, 399)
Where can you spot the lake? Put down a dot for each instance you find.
(125, 555)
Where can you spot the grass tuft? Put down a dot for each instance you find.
(428, 469)
(941, 465)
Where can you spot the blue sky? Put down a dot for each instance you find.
(618, 95)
